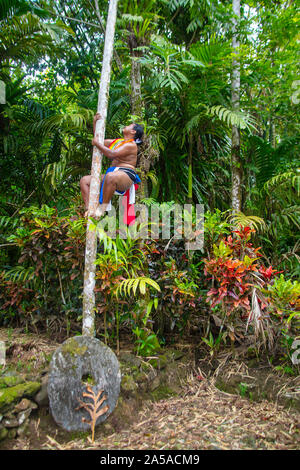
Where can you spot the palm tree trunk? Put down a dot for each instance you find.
(88, 321)
(236, 164)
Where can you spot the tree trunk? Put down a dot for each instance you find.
(136, 93)
(145, 152)
(190, 170)
(116, 56)
(236, 164)
(88, 321)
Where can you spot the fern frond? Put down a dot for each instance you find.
(232, 118)
(20, 274)
(155, 184)
(133, 18)
(6, 221)
(247, 220)
(289, 178)
(129, 285)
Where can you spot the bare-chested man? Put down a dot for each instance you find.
(121, 174)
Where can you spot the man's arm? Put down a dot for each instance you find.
(122, 152)
(96, 117)
(107, 142)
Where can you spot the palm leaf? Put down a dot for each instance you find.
(288, 179)
(129, 285)
(232, 118)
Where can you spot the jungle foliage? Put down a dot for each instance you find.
(178, 54)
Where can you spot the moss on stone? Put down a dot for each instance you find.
(3, 433)
(9, 396)
(128, 384)
(73, 348)
(140, 377)
(79, 435)
(160, 362)
(10, 381)
(128, 359)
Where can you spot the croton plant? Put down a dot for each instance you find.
(242, 287)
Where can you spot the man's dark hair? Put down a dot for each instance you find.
(139, 132)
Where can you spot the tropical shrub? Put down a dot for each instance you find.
(239, 283)
(284, 297)
(179, 278)
(122, 290)
(50, 265)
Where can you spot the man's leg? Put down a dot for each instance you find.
(115, 180)
(85, 190)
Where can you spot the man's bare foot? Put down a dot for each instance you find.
(99, 212)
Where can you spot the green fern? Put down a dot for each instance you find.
(129, 286)
(232, 118)
(215, 50)
(132, 18)
(268, 162)
(286, 218)
(20, 274)
(289, 179)
(247, 220)
(6, 221)
(155, 184)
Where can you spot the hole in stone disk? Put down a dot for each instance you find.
(88, 379)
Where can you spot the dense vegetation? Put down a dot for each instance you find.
(217, 94)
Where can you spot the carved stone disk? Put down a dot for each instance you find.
(79, 361)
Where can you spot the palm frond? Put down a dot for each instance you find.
(54, 174)
(286, 179)
(129, 285)
(232, 118)
(20, 274)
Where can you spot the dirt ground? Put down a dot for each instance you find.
(201, 417)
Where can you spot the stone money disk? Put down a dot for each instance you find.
(75, 359)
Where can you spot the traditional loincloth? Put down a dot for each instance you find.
(129, 194)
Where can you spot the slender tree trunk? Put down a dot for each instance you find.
(272, 135)
(190, 170)
(136, 93)
(236, 164)
(88, 322)
(146, 153)
(116, 56)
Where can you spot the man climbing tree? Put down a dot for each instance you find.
(121, 175)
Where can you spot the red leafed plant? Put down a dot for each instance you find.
(237, 278)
